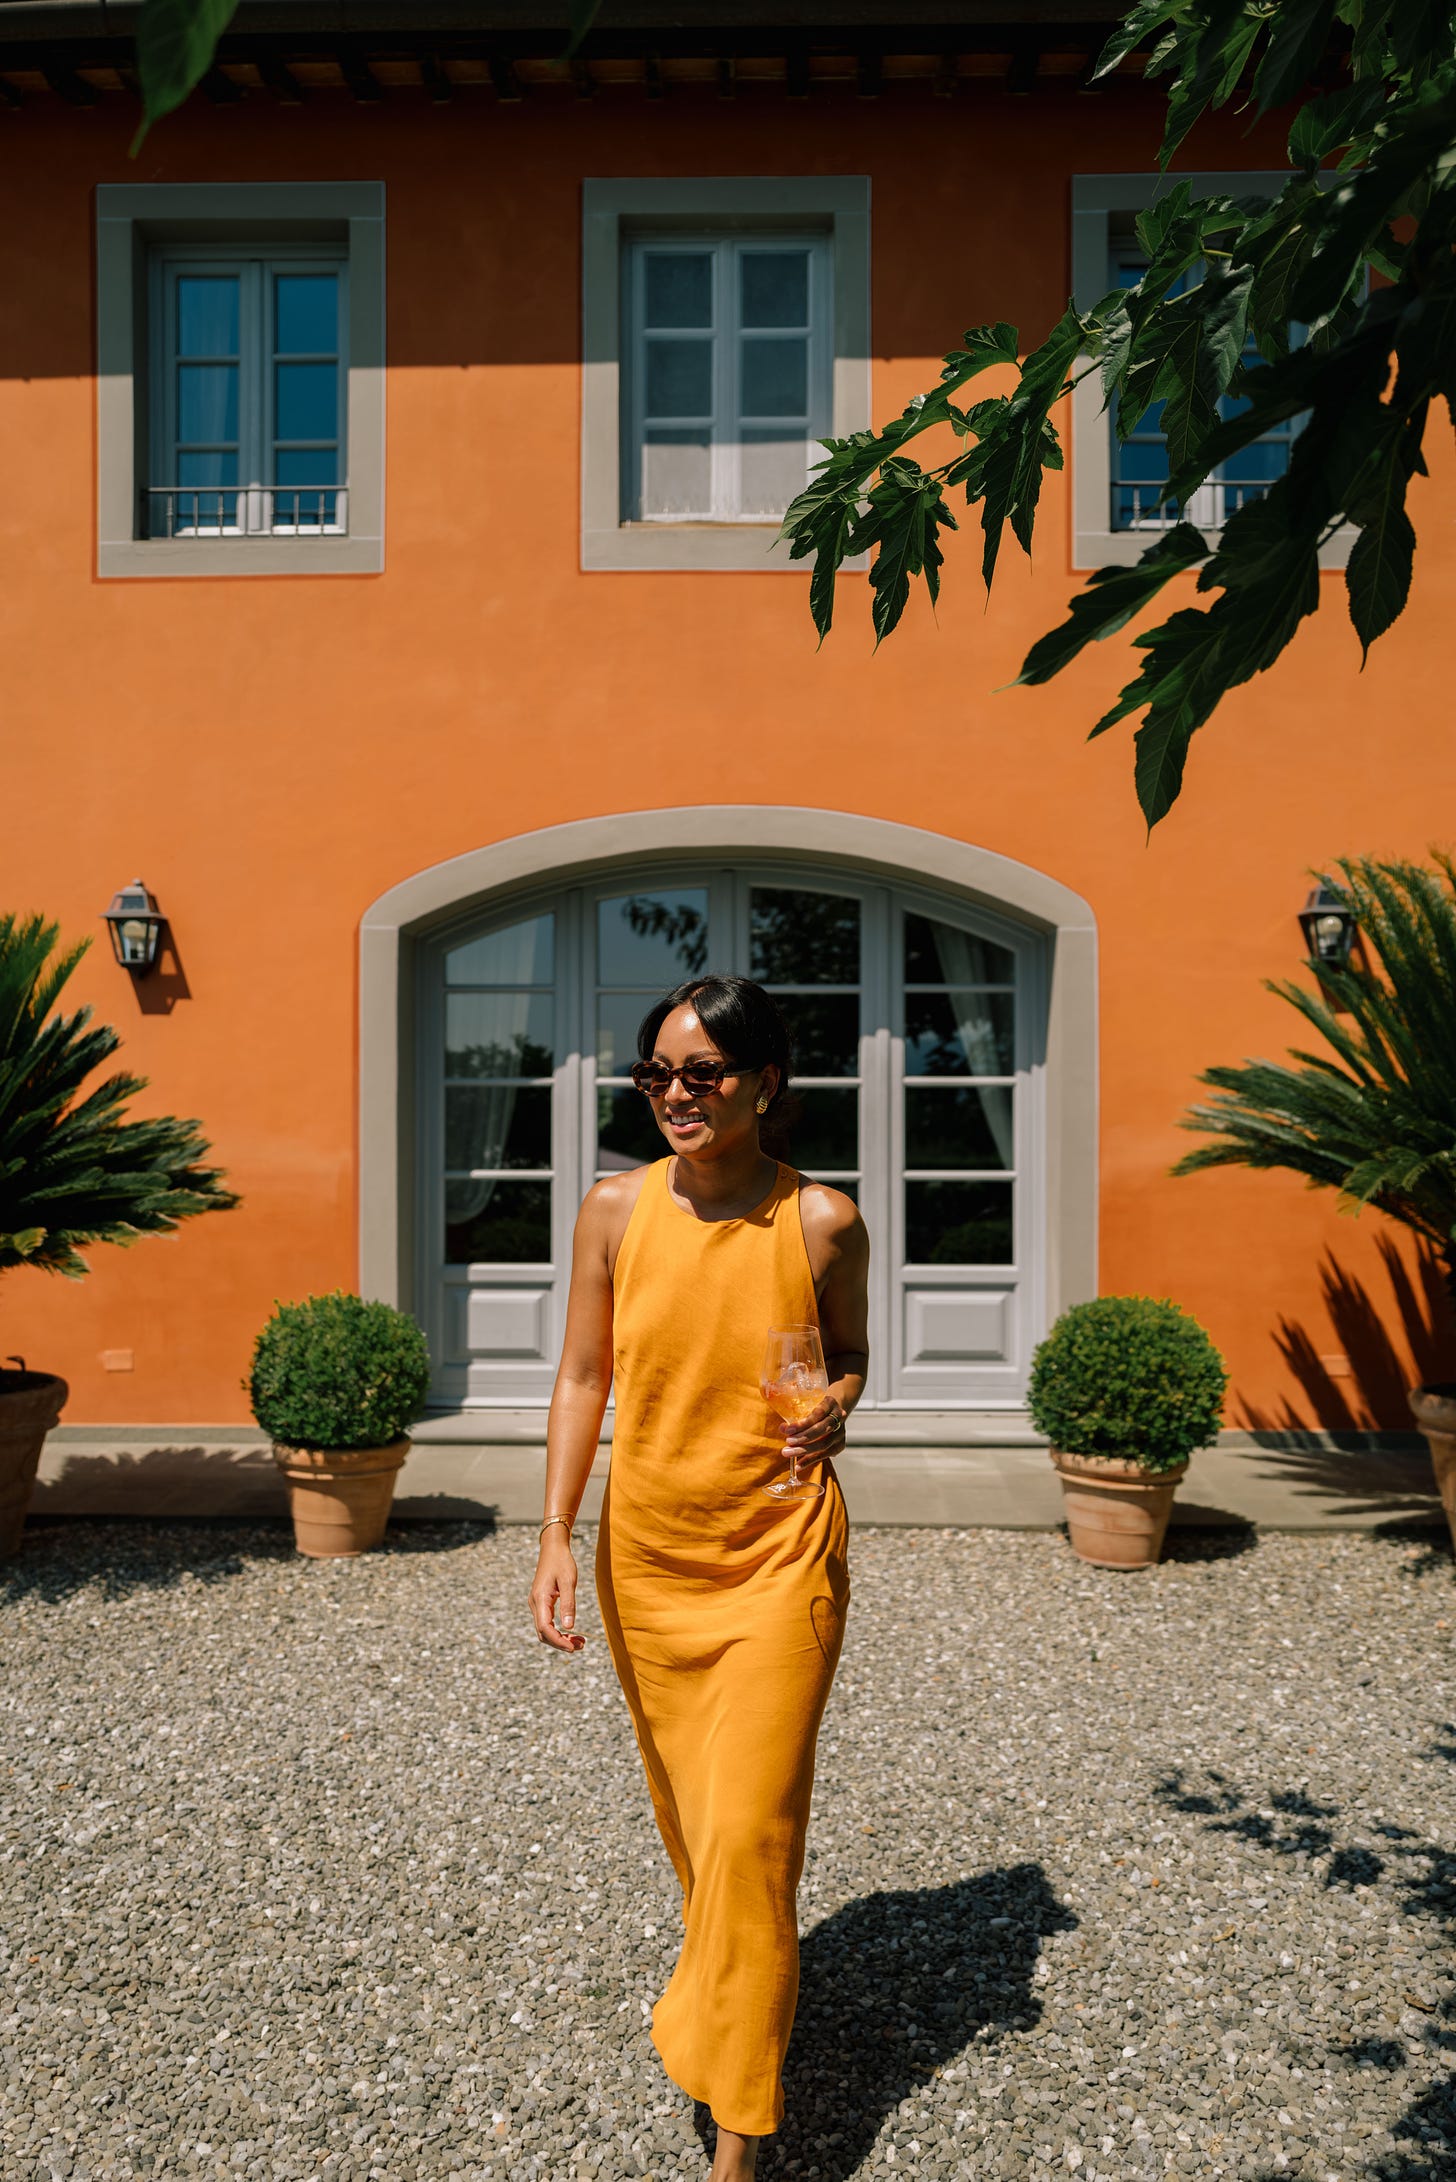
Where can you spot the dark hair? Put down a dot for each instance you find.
(743, 1022)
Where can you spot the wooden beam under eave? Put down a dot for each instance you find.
(868, 76)
(583, 82)
(727, 76)
(947, 77)
(360, 78)
(10, 96)
(66, 84)
(797, 71)
(1025, 58)
(220, 88)
(504, 80)
(652, 76)
(279, 78)
(434, 80)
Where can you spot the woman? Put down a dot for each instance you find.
(724, 1608)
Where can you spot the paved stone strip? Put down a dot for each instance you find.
(328, 1872)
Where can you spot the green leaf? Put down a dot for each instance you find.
(1161, 753)
(1298, 34)
(1016, 448)
(1136, 29)
(1378, 572)
(1185, 354)
(1209, 70)
(984, 346)
(906, 509)
(819, 521)
(581, 14)
(176, 41)
(830, 547)
(1356, 214)
(1270, 577)
(1111, 597)
(1323, 125)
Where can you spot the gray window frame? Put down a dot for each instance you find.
(1097, 200)
(612, 210)
(131, 218)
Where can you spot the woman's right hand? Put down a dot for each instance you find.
(553, 1591)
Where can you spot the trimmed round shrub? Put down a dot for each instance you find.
(1131, 1377)
(335, 1372)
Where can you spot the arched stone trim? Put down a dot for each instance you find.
(394, 923)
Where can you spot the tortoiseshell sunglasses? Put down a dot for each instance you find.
(698, 1078)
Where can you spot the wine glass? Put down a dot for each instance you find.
(794, 1383)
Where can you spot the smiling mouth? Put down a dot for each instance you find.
(685, 1121)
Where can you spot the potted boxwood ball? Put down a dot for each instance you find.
(334, 1382)
(1125, 1388)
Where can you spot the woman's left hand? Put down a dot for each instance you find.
(820, 1436)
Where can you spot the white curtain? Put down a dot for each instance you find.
(963, 962)
(495, 1025)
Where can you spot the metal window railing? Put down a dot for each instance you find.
(245, 511)
(1135, 503)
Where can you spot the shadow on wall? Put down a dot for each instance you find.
(1358, 1383)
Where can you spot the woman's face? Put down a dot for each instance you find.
(697, 1126)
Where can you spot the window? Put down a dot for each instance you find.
(918, 1034)
(248, 395)
(1115, 484)
(1139, 464)
(729, 387)
(240, 395)
(726, 332)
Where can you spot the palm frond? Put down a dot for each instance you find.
(73, 1170)
(1373, 1116)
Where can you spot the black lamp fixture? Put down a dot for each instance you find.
(136, 924)
(1329, 925)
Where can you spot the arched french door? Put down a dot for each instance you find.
(919, 1025)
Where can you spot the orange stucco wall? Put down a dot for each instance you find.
(272, 754)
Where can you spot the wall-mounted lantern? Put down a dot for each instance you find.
(135, 923)
(1329, 925)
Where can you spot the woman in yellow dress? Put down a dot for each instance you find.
(724, 1608)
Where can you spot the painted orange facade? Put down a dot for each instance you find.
(273, 753)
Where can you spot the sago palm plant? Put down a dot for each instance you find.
(73, 1171)
(1375, 1116)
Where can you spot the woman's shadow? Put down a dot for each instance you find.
(891, 1988)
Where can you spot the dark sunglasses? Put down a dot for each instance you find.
(698, 1078)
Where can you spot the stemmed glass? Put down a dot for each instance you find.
(794, 1383)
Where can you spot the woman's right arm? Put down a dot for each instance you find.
(578, 1404)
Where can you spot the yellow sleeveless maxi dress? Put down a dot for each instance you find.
(724, 1611)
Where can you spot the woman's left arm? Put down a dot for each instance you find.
(839, 1257)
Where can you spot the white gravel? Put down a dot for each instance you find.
(328, 1869)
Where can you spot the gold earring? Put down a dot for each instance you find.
(761, 1107)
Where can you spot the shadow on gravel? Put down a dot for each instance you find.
(118, 1556)
(893, 1986)
(1423, 1875)
(1207, 1534)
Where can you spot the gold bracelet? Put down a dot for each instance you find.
(566, 1519)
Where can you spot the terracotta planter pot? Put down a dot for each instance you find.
(30, 1403)
(1434, 1408)
(340, 1497)
(1117, 1513)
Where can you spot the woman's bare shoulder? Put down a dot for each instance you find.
(829, 1217)
(607, 1207)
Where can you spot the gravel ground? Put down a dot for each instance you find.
(328, 1869)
